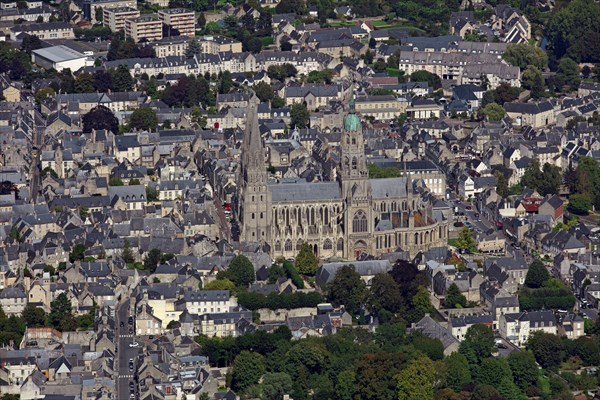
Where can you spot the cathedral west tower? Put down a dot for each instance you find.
(254, 198)
(356, 190)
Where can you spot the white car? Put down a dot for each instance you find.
(134, 344)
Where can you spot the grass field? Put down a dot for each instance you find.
(339, 24)
(266, 41)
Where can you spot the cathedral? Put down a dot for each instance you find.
(341, 218)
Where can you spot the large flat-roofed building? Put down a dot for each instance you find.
(179, 19)
(59, 58)
(146, 27)
(115, 18)
(90, 7)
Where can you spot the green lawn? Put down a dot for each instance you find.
(338, 24)
(414, 28)
(266, 41)
(379, 22)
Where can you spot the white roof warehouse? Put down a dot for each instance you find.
(59, 58)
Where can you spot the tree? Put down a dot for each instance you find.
(193, 48)
(579, 204)
(466, 241)
(127, 253)
(241, 271)
(415, 382)
(143, 119)
(458, 374)
(384, 295)
(248, 368)
(347, 289)
(61, 316)
(152, 260)
(121, 78)
(100, 117)
(306, 261)
(547, 348)
(49, 171)
(454, 297)
(291, 6)
(201, 21)
(431, 347)
(77, 253)
(220, 284)
(501, 184)
(263, 91)
(495, 372)
(84, 83)
(34, 317)
(151, 194)
(524, 369)
(376, 375)
(551, 180)
(569, 70)
(281, 72)
(275, 385)
(115, 181)
(299, 116)
(30, 43)
(43, 94)
(523, 55)
(433, 80)
(345, 385)
(574, 30)
(421, 305)
(103, 81)
(494, 112)
(478, 343)
(505, 93)
(533, 80)
(537, 274)
(533, 175)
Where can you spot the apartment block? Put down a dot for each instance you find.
(216, 44)
(115, 18)
(180, 19)
(147, 27)
(90, 7)
(171, 46)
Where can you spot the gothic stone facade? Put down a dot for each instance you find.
(341, 218)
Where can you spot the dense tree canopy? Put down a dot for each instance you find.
(347, 289)
(143, 119)
(306, 260)
(574, 31)
(537, 274)
(100, 117)
(240, 271)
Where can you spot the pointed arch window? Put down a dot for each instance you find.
(359, 222)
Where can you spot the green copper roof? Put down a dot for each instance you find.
(351, 121)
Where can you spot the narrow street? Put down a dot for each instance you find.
(224, 227)
(125, 353)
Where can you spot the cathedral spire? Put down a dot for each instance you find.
(253, 148)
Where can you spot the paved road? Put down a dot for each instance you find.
(124, 339)
(34, 169)
(224, 228)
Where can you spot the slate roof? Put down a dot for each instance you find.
(305, 191)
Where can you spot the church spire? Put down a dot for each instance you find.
(252, 149)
